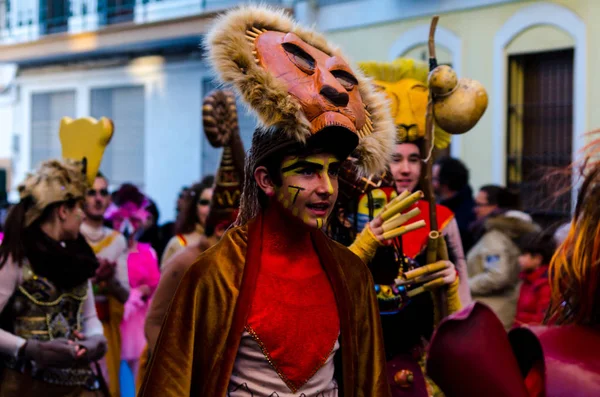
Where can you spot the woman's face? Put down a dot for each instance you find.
(406, 166)
(203, 205)
(71, 220)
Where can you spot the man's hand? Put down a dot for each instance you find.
(91, 348)
(106, 270)
(57, 353)
(433, 275)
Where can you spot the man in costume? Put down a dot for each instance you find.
(50, 333)
(111, 284)
(276, 307)
(407, 320)
(537, 361)
(219, 116)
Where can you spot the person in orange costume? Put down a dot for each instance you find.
(243, 318)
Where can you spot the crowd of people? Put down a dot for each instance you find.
(334, 258)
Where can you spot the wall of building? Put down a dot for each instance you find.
(172, 119)
(478, 31)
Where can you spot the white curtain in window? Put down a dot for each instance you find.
(47, 110)
(124, 158)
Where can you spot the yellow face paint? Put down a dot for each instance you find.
(303, 176)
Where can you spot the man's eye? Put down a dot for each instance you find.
(334, 171)
(305, 171)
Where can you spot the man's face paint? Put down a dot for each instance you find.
(379, 198)
(309, 187)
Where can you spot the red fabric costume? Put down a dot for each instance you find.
(291, 276)
(414, 243)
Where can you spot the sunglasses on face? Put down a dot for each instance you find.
(203, 202)
(94, 192)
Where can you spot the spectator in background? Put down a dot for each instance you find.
(534, 296)
(486, 204)
(152, 232)
(492, 263)
(451, 184)
(128, 214)
(167, 231)
(191, 219)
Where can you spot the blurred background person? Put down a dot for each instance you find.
(493, 262)
(534, 294)
(111, 282)
(128, 214)
(191, 219)
(450, 182)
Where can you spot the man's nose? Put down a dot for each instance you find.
(325, 186)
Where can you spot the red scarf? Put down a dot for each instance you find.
(294, 315)
(414, 242)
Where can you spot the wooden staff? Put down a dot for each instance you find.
(436, 244)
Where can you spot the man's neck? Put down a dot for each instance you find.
(93, 223)
(285, 234)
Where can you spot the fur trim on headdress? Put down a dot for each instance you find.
(231, 56)
(399, 69)
(54, 182)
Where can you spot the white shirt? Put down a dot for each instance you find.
(253, 375)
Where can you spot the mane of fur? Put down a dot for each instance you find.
(233, 62)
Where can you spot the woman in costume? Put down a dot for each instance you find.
(50, 334)
(407, 321)
(128, 215)
(191, 220)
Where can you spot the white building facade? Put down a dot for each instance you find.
(138, 62)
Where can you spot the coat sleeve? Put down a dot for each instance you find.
(455, 246)
(171, 370)
(498, 269)
(9, 281)
(173, 271)
(372, 371)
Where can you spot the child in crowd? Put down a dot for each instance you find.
(534, 296)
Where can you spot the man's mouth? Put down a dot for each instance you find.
(319, 209)
(403, 182)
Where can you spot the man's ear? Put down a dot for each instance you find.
(62, 212)
(538, 258)
(264, 181)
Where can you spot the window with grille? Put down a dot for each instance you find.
(247, 122)
(124, 158)
(540, 131)
(54, 16)
(116, 11)
(47, 110)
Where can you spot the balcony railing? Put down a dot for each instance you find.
(28, 20)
